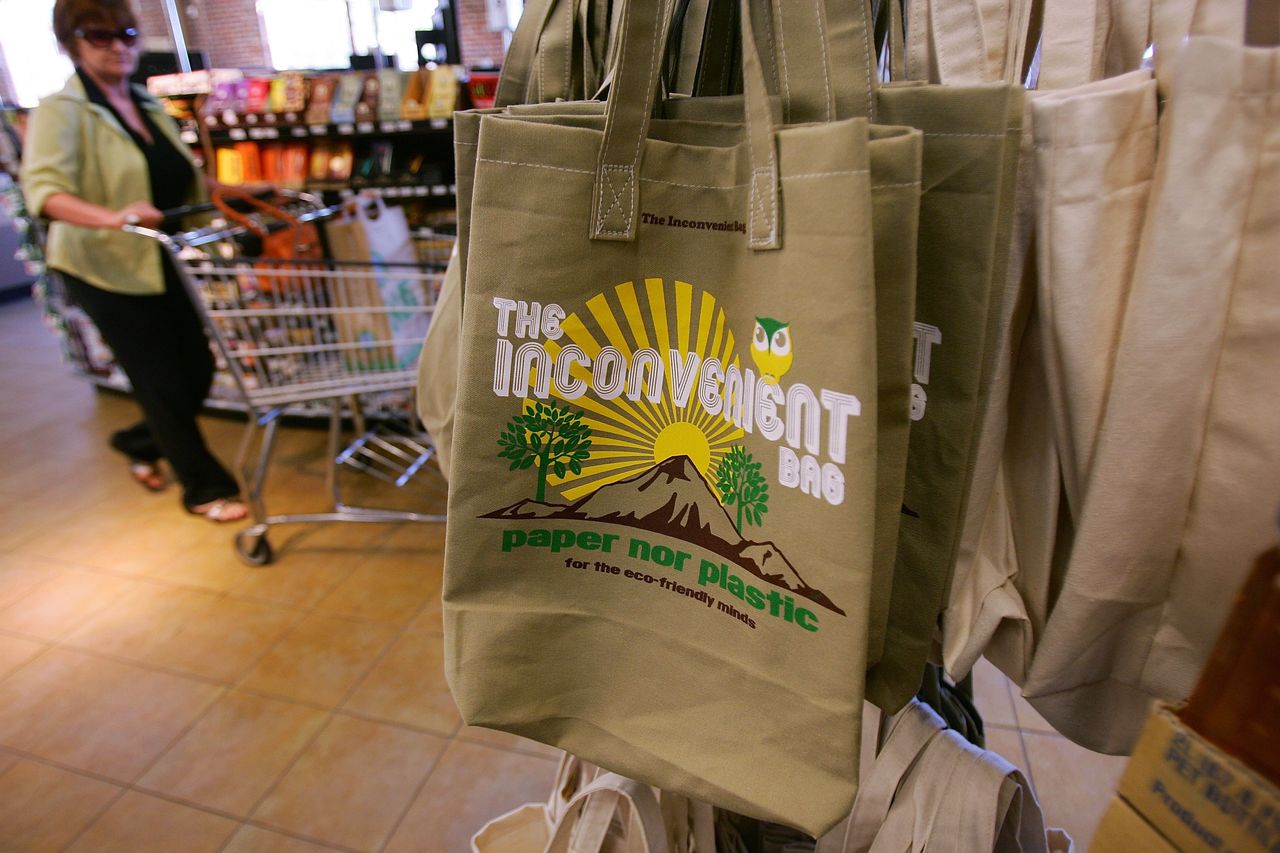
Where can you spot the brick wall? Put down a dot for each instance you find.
(480, 45)
(229, 31)
(154, 24)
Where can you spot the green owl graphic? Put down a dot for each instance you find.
(771, 348)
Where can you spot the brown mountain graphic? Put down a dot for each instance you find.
(672, 498)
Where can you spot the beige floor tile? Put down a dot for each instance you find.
(15, 651)
(507, 741)
(97, 715)
(1073, 784)
(189, 630)
(211, 564)
(320, 659)
(43, 808)
(139, 823)
(1029, 718)
(1008, 743)
(430, 619)
(25, 519)
(366, 594)
(356, 540)
(105, 540)
(237, 751)
(422, 539)
(20, 574)
(62, 603)
(351, 786)
(252, 839)
(297, 579)
(470, 785)
(408, 686)
(992, 693)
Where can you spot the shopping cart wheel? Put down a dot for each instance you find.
(252, 546)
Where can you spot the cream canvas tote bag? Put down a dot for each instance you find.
(1185, 474)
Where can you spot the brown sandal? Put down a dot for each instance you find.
(149, 476)
(221, 511)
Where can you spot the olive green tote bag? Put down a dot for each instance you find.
(662, 510)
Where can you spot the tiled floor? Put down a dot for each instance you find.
(156, 694)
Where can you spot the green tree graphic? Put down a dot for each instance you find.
(552, 437)
(740, 482)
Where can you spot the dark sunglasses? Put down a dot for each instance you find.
(102, 38)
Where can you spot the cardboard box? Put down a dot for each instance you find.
(1123, 830)
(1197, 796)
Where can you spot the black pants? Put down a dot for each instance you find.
(159, 343)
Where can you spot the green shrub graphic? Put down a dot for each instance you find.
(552, 437)
(740, 483)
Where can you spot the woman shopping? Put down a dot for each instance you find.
(100, 155)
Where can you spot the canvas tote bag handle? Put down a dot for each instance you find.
(585, 823)
(553, 80)
(825, 59)
(986, 792)
(1073, 39)
(915, 727)
(630, 105)
(513, 85)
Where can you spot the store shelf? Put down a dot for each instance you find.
(391, 190)
(266, 132)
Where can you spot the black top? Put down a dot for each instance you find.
(171, 173)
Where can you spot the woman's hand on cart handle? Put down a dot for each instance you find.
(65, 207)
(139, 213)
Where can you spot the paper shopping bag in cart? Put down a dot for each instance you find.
(663, 486)
(378, 239)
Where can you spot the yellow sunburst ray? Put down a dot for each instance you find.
(639, 455)
(656, 295)
(719, 333)
(619, 433)
(684, 312)
(706, 313)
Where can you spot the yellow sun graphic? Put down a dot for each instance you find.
(683, 439)
(630, 436)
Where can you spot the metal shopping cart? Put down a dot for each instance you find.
(342, 337)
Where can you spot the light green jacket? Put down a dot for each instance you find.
(78, 147)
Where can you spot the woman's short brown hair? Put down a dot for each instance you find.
(71, 15)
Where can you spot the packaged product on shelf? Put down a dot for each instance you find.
(375, 165)
(321, 97)
(444, 88)
(258, 98)
(320, 153)
(482, 87)
(367, 108)
(340, 161)
(293, 165)
(289, 96)
(250, 161)
(416, 86)
(272, 158)
(391, 84)
(240, 96)
(229, 166)
(220, 108)
(346, 96)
